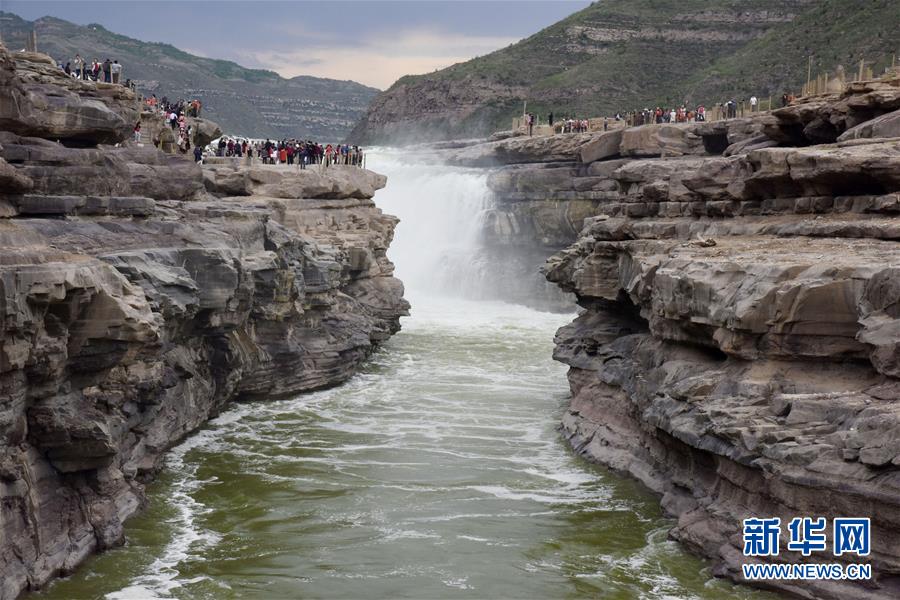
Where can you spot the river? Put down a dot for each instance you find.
(437, 472)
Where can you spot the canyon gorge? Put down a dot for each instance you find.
(734, 351)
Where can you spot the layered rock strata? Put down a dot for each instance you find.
(135, 304)
(738, 348)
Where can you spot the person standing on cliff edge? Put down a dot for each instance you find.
(116, 70)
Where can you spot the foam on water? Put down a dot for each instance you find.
(162, 576)
(435, 472)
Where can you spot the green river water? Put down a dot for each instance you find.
(437, 472)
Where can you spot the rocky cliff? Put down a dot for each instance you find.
(738, 348)
(247, 102)
(135, 303)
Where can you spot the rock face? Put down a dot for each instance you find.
(739, 350)
(244, 101)
(235, 177)
(134, 305)
(40, 100)
(739, 346)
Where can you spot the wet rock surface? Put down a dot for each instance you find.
(134, 305)
(738, 350)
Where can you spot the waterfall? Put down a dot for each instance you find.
(440, 246)
(437, 245)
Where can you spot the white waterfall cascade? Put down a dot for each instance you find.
(441, 210)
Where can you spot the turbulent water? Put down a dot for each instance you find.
(436, 472)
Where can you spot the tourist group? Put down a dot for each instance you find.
(292, 151)
(108, 71)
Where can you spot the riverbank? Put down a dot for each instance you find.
(738, 353)
(136, 305)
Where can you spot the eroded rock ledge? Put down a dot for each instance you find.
(134, 304)
(739, 346)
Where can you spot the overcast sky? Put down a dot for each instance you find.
(370, 41)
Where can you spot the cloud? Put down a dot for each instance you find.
(379, 60)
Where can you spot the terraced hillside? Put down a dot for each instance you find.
(832, 32)
(620, 54)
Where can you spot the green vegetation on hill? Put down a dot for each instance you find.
(251, 102)
(832, 32)
(618, 55)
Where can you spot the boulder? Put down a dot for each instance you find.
(666, 139)
(885, 126)
(204, 131)
(283, 181)
(518, 150)
(40, 100)
(226, 182)
(603, 147)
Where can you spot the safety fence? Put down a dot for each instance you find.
(888, 70)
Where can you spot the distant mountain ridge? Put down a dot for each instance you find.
(617, 55)
(252, 102)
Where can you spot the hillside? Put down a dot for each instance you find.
(616, 55)
(833, 32)
(245, 101)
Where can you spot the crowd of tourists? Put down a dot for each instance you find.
(174, 116)
(569, 125)
(566, 125)
(728, 109)
(175, 113)
(291, 152)
(661, 114)
(190, 108)
(108, 71)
